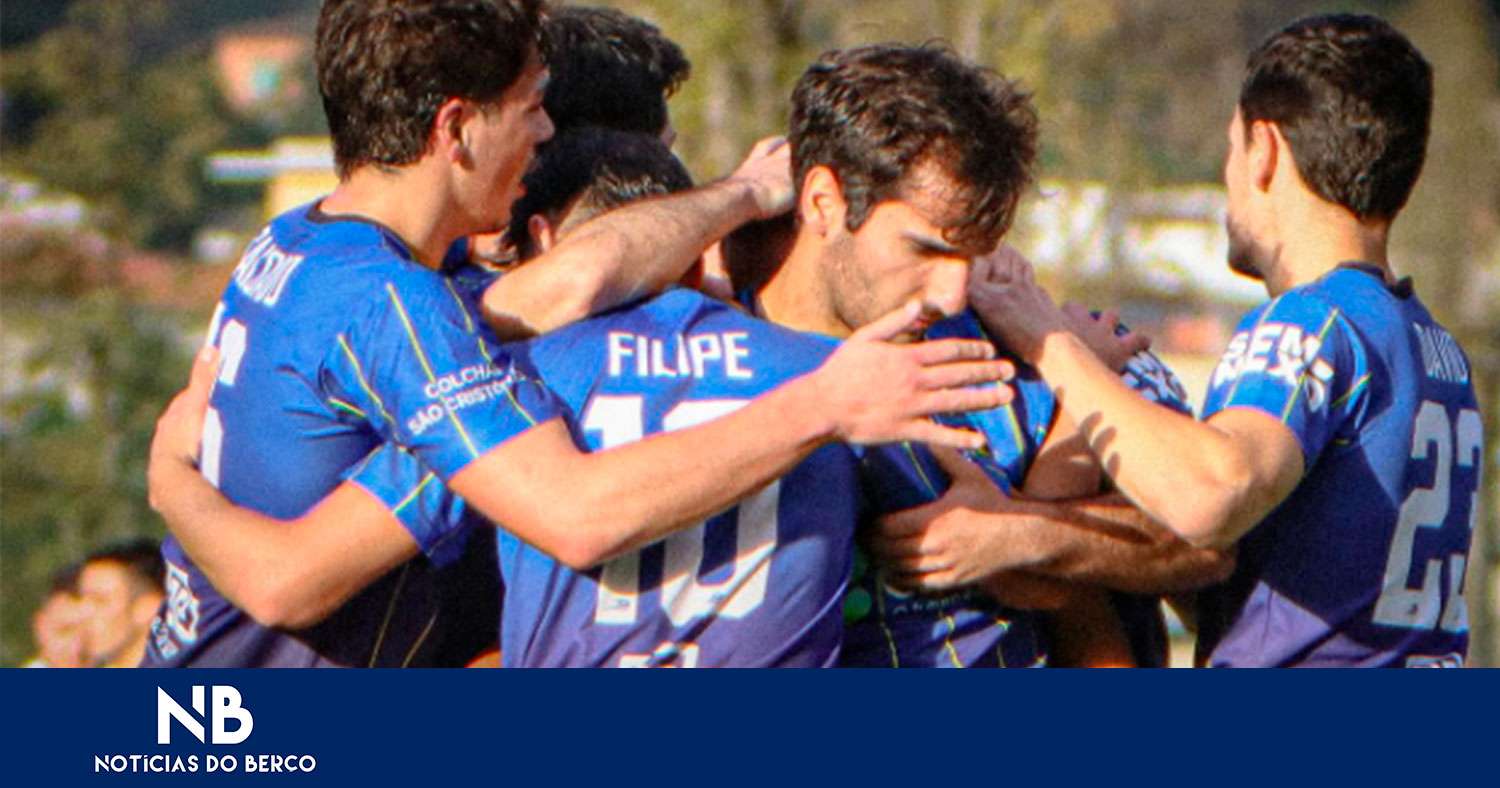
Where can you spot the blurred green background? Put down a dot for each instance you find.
(116, 233)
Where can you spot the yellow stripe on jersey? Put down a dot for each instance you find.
(342, 405)
(910, 452)
(1307, 368)
(890, 638)
(359, 374)
(463, 309)
(484, 348)
(390, 611)
(1355, 389)
(412, 496)
(948, 642)
(427, 367)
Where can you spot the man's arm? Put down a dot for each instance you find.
(975, 531)
(1209, 482)
(636, 250)
(286, 574)
(585, 508)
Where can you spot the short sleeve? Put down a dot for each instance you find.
(419, 368)
(1150, 377)
(424, 506)
(1297, 360)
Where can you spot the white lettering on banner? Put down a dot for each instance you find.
(216, 703)
(226, 704)
(694, 355)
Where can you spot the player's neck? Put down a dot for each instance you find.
(797, 297)
(402, 200)
(1319, 238)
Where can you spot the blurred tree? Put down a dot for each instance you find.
(87, 377)
(127, 131)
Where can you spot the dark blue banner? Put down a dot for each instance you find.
(545, 727)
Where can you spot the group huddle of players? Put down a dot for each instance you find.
(516, 384)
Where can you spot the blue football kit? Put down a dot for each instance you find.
(333, 341)
(1141, 614)
(1363, 564)
(890, 627)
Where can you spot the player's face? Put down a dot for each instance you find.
(503, 145)
(106, 594)
(1237, 223)
(898, 254)
(58, 629)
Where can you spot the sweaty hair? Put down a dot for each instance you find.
(1353, 98)
(142, 561)
(594, 171)
(610, 69)
(386, 66)
(874, 114)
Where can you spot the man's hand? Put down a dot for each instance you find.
(1011, 304)
(942, 545)
(180, 428)
(768, 173)
(878, 391)
(1102, 335)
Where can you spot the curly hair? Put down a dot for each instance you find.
(874, 114)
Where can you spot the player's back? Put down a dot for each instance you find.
(281, 431)
(1363, 565)
(758, 585)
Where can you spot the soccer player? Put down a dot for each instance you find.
(605, 68)
(763, 583)
(613, 70)
(1341, 443)
(338, 333)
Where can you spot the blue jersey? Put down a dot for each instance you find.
(334, 340)
(1141, 614)
(758, 585)
(887, 627)
(1363, 565)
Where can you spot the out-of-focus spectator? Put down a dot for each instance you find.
(121, 588)
(57, 624)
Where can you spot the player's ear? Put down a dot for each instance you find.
(821, 202)
(543, 236)
(448, 131)
(1266, 150)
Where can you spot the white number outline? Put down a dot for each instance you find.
(684, 597)
(1427, 507)
(232, 339)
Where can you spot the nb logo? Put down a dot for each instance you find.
(226, 706)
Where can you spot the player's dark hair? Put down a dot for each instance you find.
(142, 561)
(594, 170)
(64, 580)
(875, 113)
(386, 66)
(610, 69)
(1353, 98)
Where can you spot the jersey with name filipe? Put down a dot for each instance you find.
(757, 585)
(334, 340)
(1363, 564)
